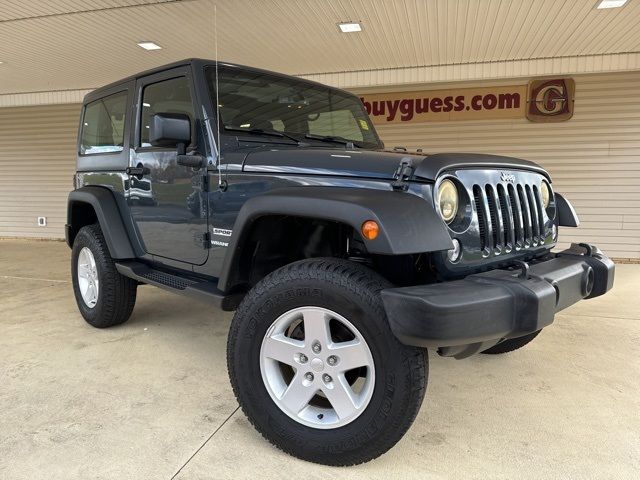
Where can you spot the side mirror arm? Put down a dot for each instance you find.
(193, 161)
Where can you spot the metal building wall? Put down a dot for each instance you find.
(37, 162)
(594, 158)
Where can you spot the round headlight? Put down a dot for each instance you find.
(448, 200)
(545, 191)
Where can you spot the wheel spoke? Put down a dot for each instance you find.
(88, 282)
(83, 271)
(341, 397)
(298, 395)
(91, 293)
(316, 327)
(282, 349)
(352, 354)
(92, 262)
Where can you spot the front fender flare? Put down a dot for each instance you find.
(408, 223)
(567, 216)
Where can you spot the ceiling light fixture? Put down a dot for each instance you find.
(350, 27)
(149, 46)
(611, 4)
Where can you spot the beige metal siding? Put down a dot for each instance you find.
(37, 162)
(477, 71)
(594, 158)
(42, 98)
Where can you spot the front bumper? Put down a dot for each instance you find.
(463, 317)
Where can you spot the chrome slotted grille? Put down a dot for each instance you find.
(510, 216)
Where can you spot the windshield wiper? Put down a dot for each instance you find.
(332, 139)
(261, 131)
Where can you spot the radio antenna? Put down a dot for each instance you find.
(218, 144)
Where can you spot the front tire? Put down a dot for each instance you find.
(316, 368)
(105, 298)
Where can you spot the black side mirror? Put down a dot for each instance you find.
(170, 130)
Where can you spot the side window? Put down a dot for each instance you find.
(336, 122)
(168, 96)
(103, 125)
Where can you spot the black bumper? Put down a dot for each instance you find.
(465, 316)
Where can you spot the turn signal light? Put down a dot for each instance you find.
(370, 230)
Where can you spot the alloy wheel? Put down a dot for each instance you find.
(317, 367)
(88, 281)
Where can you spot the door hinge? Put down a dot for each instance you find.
(204, 183)
(206, 240)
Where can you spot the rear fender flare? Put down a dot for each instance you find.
(108, 215)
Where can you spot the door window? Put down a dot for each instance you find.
(168, 96)
(103, 125)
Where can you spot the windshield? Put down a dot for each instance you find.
(264, 102)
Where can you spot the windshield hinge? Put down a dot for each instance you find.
(402, 175)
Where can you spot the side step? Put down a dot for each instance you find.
(201, 289)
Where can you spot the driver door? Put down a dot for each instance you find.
(164, 197)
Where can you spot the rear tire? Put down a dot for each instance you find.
(326, 295)
(105, 298)
(511, 344)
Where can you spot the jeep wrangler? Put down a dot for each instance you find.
(273, 196)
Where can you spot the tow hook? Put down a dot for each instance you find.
(591, 250)
(583, 249)
(525, 272)
(524, 269)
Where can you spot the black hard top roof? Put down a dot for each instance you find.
(197, 62)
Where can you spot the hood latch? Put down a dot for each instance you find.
(403, 174)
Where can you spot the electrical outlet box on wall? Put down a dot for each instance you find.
(42, 221)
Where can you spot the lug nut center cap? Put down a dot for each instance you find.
(317, 365)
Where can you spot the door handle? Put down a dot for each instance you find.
(138, 171)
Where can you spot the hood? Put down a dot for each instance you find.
(371, 163)
(436, 164)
